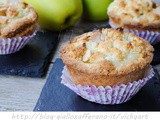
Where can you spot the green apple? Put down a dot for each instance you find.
(95, 10)
(57, 14)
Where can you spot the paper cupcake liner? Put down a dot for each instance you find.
(151, 36)
(107, 95)
(112, 25)
(12, 45)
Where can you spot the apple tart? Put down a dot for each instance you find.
(17, 19)
(141, 17)
(106, 66)
(17, 26)
(106, 57)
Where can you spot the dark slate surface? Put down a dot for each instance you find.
(156, 59)
(33, 59)
(57, 97)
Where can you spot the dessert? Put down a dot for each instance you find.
(106, 57)
(17, 22)
(141, 17)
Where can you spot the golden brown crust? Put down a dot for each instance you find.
(82, 78)
(17, 19)
(135, 14)
(107, 52)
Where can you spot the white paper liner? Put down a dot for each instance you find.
(151, 36)
(108, 95)
(12, 45)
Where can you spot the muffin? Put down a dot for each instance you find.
(17, 25)
(141, 17)
(105, 59)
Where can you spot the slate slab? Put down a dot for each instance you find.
(156, 58)
(33, 59)
(57, 97)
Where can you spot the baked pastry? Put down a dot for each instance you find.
(17, 26)
(135, 14)
(106, 57)
(106, 66)
(17, 19)
(141, 17)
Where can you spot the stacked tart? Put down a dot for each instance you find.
(141, 17)
(106, 66)
(17, 26)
